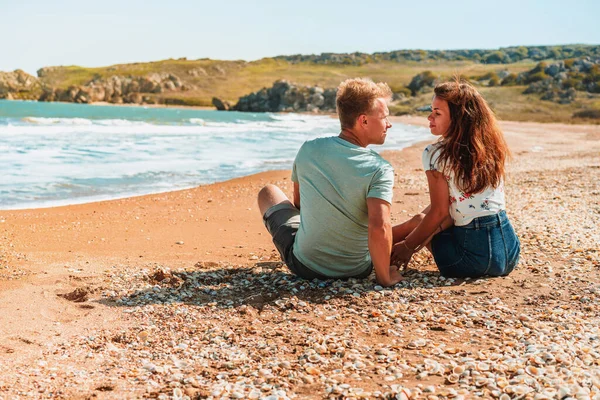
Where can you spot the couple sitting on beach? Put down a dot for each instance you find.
(339, 223)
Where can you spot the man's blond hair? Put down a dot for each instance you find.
(357, 96)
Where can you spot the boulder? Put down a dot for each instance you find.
(329, 95)
(133, 98)
(422, 82)
(199, 71)
(285, 96)
(555, 69)
(82, 96)
(147, 85)
(97, 93)
(503, 74)
(220, 104)
(168, 85)
(68, 95)
(48, 94)
(316, 100)
(116, 99)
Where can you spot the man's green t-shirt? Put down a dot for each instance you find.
(336, 177)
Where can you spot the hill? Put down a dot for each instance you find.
(196, 82)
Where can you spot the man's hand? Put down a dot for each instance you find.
(395, 275)
(401, 254)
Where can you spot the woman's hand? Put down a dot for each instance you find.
(401, 254)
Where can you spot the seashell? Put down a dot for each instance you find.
(504, 396)
(459, 369)
(404, 395)
(479, 382)
(483, 366)
(415, 344)
(254, 394)
(177, 393)
(314, 358)
(583, 393)
(143, 336)
(521, 390)
(359, 365)
(438, 371)
(501, 383)
(312, 370)
(531, 370)
(452, 378)
(546, 395)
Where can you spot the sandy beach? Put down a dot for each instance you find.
(183, 294)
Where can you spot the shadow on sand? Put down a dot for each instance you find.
(257, 285)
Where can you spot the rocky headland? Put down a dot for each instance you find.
(117, 89)
(284, 96)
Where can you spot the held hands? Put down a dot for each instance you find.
(401, 254)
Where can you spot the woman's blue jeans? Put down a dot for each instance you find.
(487, 246)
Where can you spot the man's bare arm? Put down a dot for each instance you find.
(380, 241)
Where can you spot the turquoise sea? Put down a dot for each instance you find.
(57, 153)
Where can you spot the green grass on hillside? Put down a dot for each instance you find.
(230, 80)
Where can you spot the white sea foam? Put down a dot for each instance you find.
(49, 160)
(55, 121)
(67, 126)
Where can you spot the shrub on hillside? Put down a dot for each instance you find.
(535, 77)
(495, 57)
(491, 77)
(589, 113)
(494, 81)
(510, 80)
(569, 63)
(570, 83)
(419, 82)
(401, 92)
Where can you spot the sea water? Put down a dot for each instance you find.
(59, 153)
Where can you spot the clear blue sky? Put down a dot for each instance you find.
(36, 33)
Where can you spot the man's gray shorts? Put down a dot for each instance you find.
(282, 221)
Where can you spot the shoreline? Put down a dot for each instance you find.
(405, 119)
(572, 121)
(412, 121)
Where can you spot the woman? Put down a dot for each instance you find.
(473, 236)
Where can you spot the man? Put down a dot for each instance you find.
(339, 223)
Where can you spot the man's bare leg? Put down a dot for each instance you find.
(269, 196)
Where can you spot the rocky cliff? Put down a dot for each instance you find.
(286, 96)
(19, 85)
(118, 89)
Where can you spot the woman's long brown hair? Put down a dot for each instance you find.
(473, 149)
